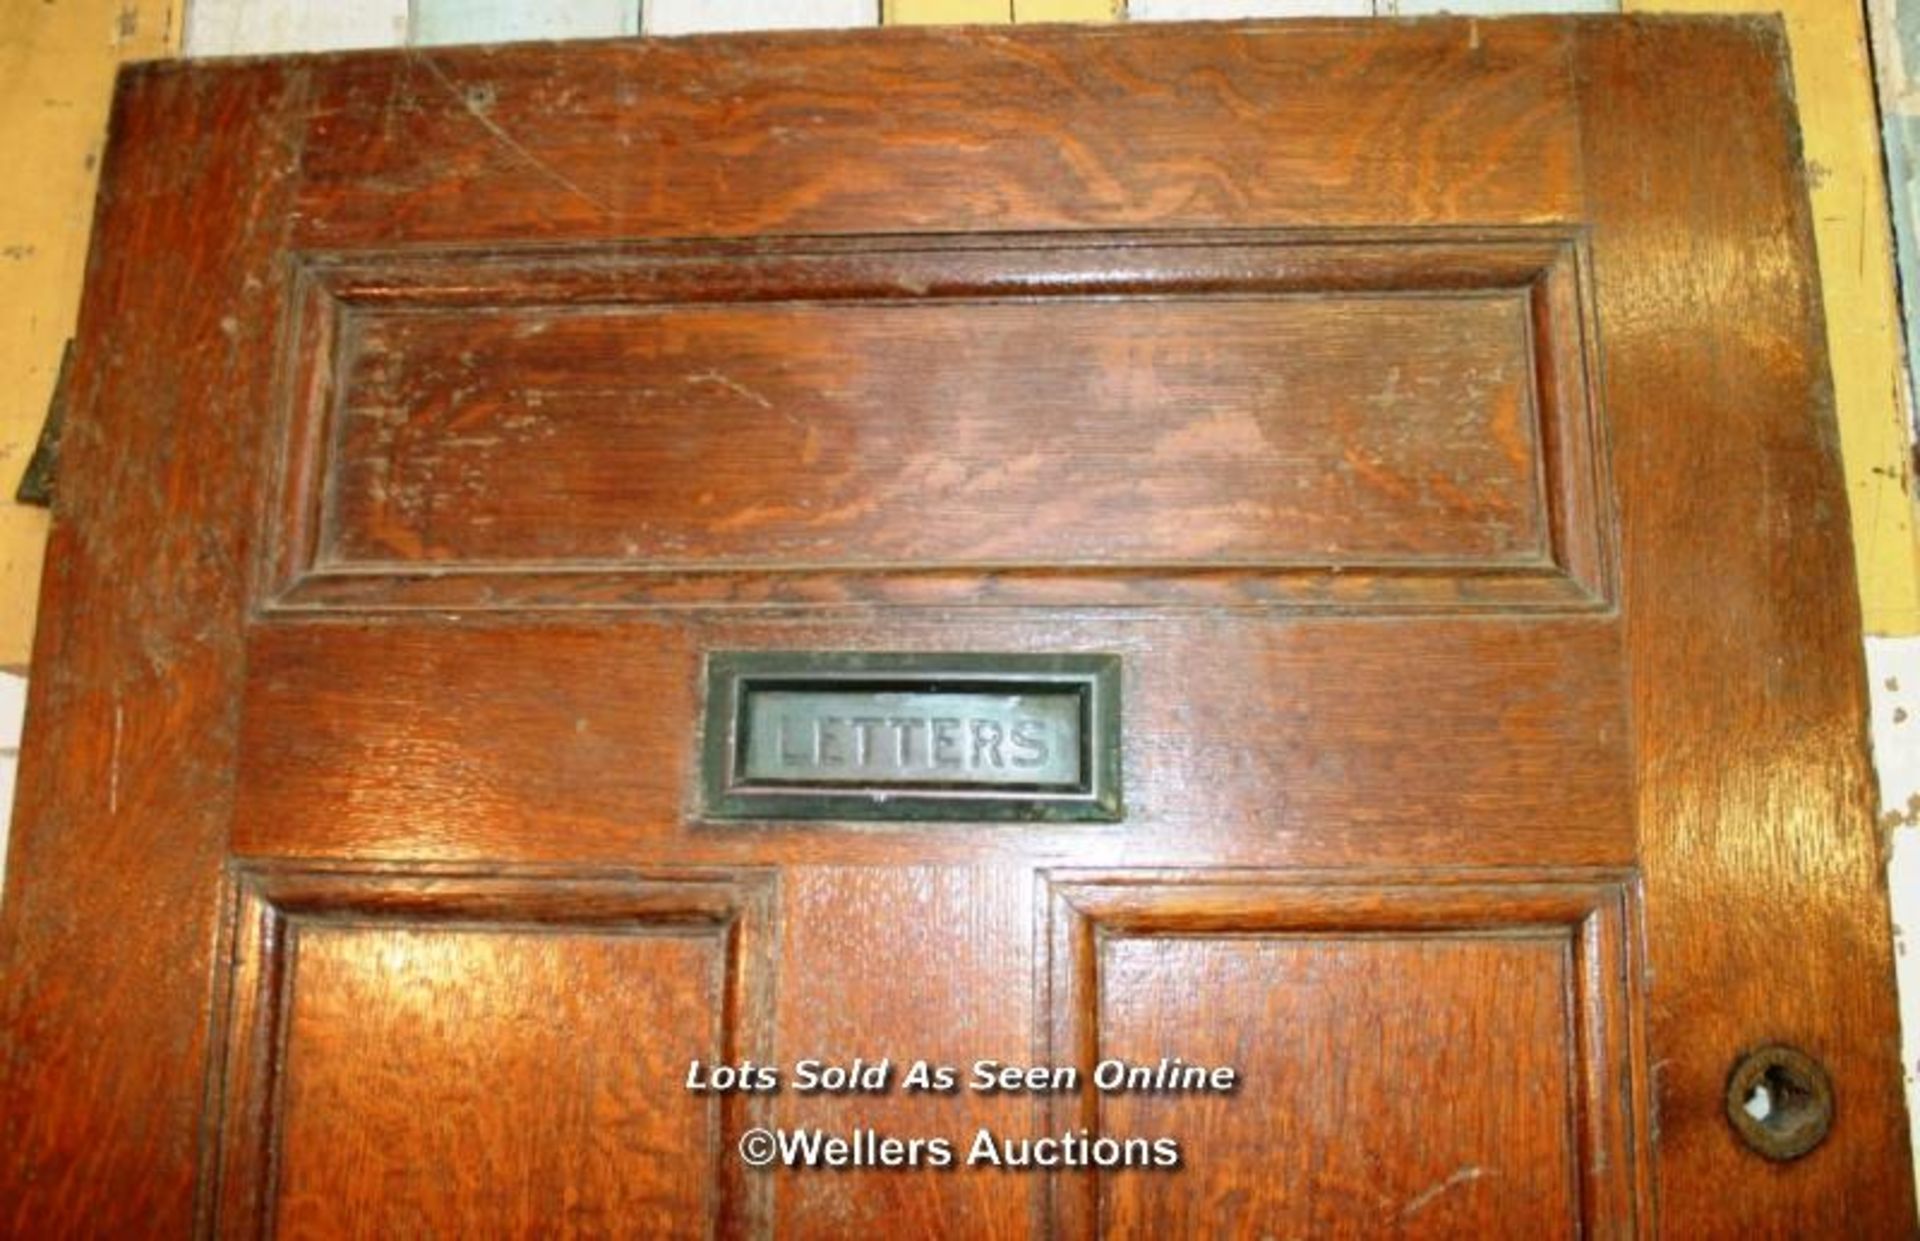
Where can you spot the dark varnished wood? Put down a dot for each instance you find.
(1323, 997)
(546, 1089)
(1243, 743)
(360, 785)
(1322, 124)
(848, 420)
(1071, 432)
(127, 779)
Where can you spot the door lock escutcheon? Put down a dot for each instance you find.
(1780, 1101)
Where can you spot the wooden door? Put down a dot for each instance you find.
(1426, 423)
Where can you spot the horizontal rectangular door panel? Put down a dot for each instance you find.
(1329, 743)
(1253, 125)
(1393, 423)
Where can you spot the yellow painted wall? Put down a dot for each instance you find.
(1833, 79)
(1068, 10)
(57, 59)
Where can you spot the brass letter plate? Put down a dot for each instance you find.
(855, 735)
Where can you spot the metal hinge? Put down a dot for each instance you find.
(36, 485)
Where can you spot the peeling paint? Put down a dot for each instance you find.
(498, 21)
(1906, 25)
(1901, 133)
(1893, 663)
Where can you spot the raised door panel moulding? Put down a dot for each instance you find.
(644, 425)
(389, 1001)
(1523, 988)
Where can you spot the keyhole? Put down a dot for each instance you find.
(1780, 1102)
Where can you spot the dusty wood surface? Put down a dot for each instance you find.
(1433, 417)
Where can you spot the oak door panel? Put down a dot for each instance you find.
(1411, 1060)
(1005, 434)
(1243, 125)
(1247, 743)
(1430, 416)
(475, 1054)
(1401, 422)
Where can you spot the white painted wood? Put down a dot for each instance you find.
(1903, 877)
(704, 16)
(1189, 10)
(8, 762)
(1495, 8)
(1893, 671)
(13, 709)
(503, 21)
(1893, 668)
(251, 27)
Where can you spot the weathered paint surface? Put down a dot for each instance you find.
(1192, 10)
(56, 76)
(502, 21)
(1896, 43)
(249, 27)
(1902, 133)
(1494, 8)
(13, 709)
(976, 12)
(1906, 20)
(711, 16)
(1068, 10)
(945, 12)
(1893, 669)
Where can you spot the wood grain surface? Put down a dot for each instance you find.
(713, 423)
(1318, 124)
(1135, 432)
(436, 413)
(358, 1028)
(1766, 914)
(125, 797)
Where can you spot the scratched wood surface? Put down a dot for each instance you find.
(1252, 743)
(1761, 860)
(132, 709)
(1490, 1022)
(1496, 977)
(374, 1054)
(359, 853)
(1051, 433)
(366, 982)
(1039, 129)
